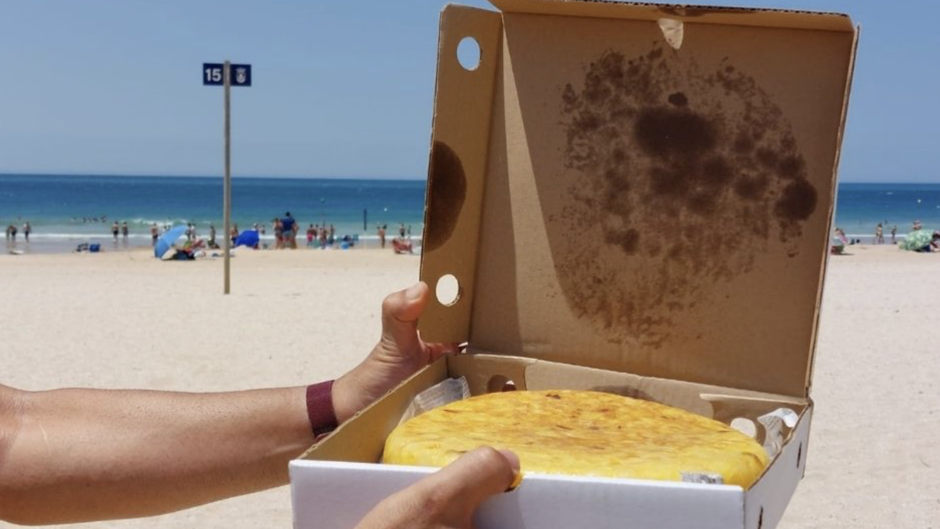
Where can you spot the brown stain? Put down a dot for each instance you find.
(797, 203)
(447, 191)
(678, 99)
(672, 133)
(694, 170)
(628, 241)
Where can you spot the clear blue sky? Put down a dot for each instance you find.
(342, 88)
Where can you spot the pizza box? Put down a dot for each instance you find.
(633, 198)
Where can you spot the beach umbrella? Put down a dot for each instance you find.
(165, 242)
(916, 240)
(248, 238)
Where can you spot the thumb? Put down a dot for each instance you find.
(469, 481)
(400, 312)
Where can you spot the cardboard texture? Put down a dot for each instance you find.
(633, 198)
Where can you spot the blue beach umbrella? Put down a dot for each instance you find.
(165, 242)
(248, 238)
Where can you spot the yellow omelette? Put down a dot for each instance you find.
(585, 433)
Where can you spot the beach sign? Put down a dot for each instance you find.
(226, 75)
(213, 74)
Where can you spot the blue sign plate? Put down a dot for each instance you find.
(239, 74)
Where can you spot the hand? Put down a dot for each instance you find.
(448, 498)
(399, 354)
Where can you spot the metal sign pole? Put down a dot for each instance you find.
(227, 200)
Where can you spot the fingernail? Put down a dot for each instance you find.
(414, 292)
(516, 473)
(512, 458)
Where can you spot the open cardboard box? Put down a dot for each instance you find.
(632, 198)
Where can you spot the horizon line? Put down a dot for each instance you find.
(155, 175)
(311, 177)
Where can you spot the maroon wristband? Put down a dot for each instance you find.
(320, 408)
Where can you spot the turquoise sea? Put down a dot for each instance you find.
(66, 209)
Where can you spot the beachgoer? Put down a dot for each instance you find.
(212, 243)
(839, 243)
(178, 450)
(154, 234)
(115, 228)
(894, 234)
(401, 230)
(278, 233)
(401, 245)
(288, 231)
(27, 229)
(917, 225)
(310, 232)
(323, 237)
(879, 234)
(382, 236)
(233, 233)
(124, 231)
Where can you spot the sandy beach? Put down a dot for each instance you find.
(126, 320)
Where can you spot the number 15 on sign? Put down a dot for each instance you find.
(239, 74)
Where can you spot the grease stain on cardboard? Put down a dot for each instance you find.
(696, 169)
(450, 182)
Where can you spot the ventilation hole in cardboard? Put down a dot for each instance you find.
(745, 426)
(468, 53)
(447, 290)
(500, 383)
(760, 518)
(799, 455)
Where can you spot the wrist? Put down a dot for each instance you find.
(345, 401)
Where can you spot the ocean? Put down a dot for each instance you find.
(67, 209)
(70, 209)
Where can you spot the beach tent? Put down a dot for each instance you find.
(248, 238)
(165, 242)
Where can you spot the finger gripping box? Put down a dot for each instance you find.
(632, 198)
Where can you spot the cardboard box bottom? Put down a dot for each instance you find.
(339, 480)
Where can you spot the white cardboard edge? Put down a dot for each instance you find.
(337, 495)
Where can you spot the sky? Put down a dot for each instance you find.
(343, 88)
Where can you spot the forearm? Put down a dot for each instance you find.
(89, 454)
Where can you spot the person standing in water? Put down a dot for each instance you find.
(26, 231)
(124, 231)
(115, 228)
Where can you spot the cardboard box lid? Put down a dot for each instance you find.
(638, 187)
